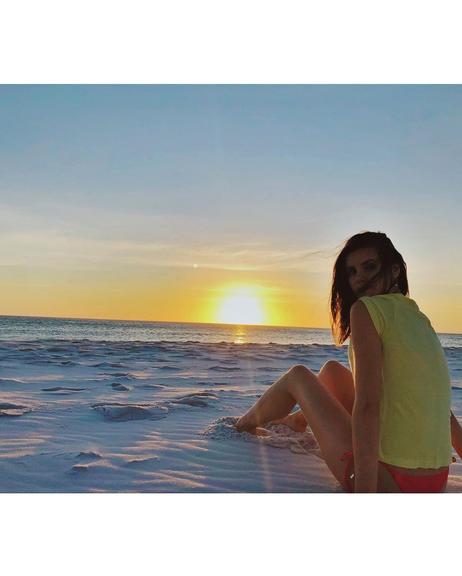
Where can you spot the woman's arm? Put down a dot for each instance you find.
(456, 435)
(367, 349)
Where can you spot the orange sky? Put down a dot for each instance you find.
(188, 295)
(292, 298)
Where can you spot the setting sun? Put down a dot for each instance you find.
(241, 306)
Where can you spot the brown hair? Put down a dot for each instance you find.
(342, 296)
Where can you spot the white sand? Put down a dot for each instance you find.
(134, 417)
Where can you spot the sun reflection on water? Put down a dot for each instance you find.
(239, 335)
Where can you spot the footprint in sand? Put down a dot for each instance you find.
(63, 389)
(13, 410)
(120, 387)
(124, 412)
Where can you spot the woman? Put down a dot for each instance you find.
(384, 426)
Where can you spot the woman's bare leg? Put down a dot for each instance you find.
(338, 380)
(296, 421)
(275, 401)
(327, 418)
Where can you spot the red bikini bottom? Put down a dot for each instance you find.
(406, 483)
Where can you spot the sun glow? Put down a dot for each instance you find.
(241, 305)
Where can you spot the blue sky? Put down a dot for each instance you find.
(266, 178)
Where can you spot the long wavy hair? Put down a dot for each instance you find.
(342, 296)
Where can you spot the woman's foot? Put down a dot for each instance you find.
(295, 421)
(242, 425)
(259, 431)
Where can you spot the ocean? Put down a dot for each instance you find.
(37, 328)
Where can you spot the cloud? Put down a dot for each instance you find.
(57, 250)
(76, 238)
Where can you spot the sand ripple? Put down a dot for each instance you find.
(124, 412)
(9, 409)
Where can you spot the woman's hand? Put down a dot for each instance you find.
(456, 435)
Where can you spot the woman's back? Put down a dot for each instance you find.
(416, 393)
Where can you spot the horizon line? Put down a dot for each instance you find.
(158, 321)
(181, 322)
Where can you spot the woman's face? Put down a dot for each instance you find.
(361, 266)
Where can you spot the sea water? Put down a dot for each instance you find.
(37, 328)
(191, 339)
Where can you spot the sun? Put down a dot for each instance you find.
(241, 305)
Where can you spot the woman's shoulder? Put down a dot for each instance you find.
(389, 300)
(387, 296)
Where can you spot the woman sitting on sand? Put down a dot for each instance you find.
(386, 425)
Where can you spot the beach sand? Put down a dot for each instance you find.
(85, 416)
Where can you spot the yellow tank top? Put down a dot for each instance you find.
(415, 402)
